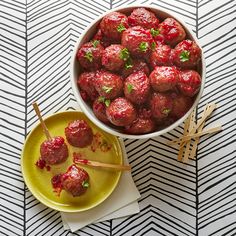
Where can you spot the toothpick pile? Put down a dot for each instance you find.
(192, 132)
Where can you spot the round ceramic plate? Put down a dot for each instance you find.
(102, 181)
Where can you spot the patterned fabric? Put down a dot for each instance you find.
(37, 38)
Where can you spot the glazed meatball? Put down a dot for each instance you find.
(114, 57)
(105, 42)
(181, 105)
(138, 41)
(189, 82)
(99, 108)
(75, 181)
(143, 17)
(186, 54)
(161, 105)
(121, 112)
(143, 124)
(161, 56)
(79, 133)
(113, 25)
(159, 39)
(90, 55)
(135, 66)
(172, 31)
(109, 85)
(136, 87)
(164, 78)
(54, 151)
(140, 126)
(86, 83)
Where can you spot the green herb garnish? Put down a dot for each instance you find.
(184, 56)
(153, 46)
(107, 102)
(166, 111)
(107, 89)
(154, 32)
(101, 99)
(128, 64)
(89, 56)
(85, 184)
(120, 28)
(124, 54)
(104, 100)
(95, 43)
(130, 88)
(143, 47)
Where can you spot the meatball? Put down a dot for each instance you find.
(172, 31)
(121, 112)
(140, 126)
(135, 66)
(99, 108)
(79, 133)
(75, 180)
(113, 25)
(138, 41)
(181, 105)
(136, 87)
(114, 57)
(105, 42)
(164, 78)
(189, 82)
(143, 124)
(90, 55)
(143, 17)
(161, 56)
(54, 151)
(161, 105)
(86, 83)
(109, 85)
(186, 54)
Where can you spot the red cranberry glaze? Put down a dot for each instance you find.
(79, 133)
(136, 87)
(54, 151)
(143, 17)
(146, 76)
(121, 112)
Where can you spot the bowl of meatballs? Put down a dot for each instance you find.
(138, 71)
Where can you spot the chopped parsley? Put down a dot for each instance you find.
(107, 102)
(128, 64)
(166, 111)
(85, 184)
(124, 54)
(95, 43)
(101, 99)
(130, 88)
(107, 89)
(143, 47)
(89, 56)
(184, 56)
(104, 100)
(120, 28)
(154, 32)
(153, 46)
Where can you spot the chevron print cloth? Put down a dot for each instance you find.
(37, 39)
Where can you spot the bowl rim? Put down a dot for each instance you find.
(100, 123)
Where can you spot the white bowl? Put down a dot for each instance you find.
(88, 34)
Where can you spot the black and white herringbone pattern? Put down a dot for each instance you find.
(37, 38)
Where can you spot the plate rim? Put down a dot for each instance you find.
(28, 183)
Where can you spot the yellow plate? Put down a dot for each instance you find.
(102, 182)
